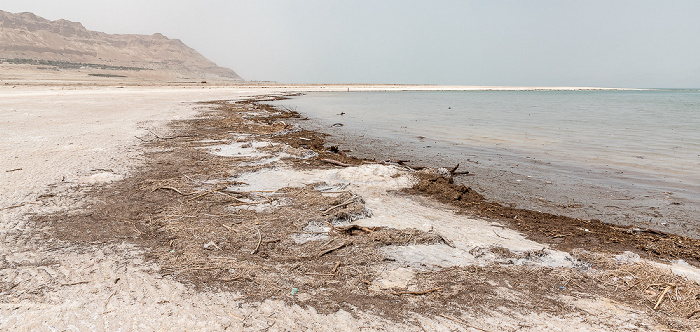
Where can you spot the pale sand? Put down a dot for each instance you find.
(69, 136)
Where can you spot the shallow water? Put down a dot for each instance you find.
(632, 144)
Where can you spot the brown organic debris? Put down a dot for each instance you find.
(258, 256)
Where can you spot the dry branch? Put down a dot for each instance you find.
(661, 297)
(693, 314)
(207, 192)
(333, 249)
(76, 283)
(335, 162)
(170, 137)
(462, 322)
(419, 292)
(19, 205)
(173, 189)
(343, 204)
(109, 298)
(259, 242)
(349, 228)
(250, 203)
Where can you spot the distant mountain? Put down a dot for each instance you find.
(29, 39)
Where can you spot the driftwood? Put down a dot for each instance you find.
(335, 162)
(333, 249)
(419, 292)
(249, 203)
(456, 320)
(173, 189)
(76, 283)
(109, 298)
(349, 228)
(208, 192)
(397, 161)
(331, 274)
(259, 242)
(335, 269)
(661, 297)
(693, 314)
(454, 172)
(346, 203)
(447, 241)
(171, 137)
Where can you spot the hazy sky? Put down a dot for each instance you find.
(610, 43)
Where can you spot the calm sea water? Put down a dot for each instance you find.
(644, 140)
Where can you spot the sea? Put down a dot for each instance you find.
(630, 157)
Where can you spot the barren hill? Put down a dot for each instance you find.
(28, 39)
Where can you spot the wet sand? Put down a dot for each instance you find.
(213, 222)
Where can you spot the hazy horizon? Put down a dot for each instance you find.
(635, 44)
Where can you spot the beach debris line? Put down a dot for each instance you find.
(562, 232)
(257, 254)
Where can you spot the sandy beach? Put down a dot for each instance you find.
(198, 207)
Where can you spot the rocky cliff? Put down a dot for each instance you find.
(27, 38)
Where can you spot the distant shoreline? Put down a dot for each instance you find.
(26, 75)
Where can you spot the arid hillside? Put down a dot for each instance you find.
(29, 40)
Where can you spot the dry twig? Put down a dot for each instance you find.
(419, 292)
(259, 242)
(110, 297)
(334, 248)
(462, 322)
(75, 283)
(173, 189)
(349, 228)
(661, 297)
(693, 314)
(346, 203)
(335, 162)
(207, 192)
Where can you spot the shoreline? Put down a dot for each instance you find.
(214, 202)
(531, 181)
(552, 233)
(25, 76)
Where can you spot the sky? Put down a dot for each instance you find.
(600, 43)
